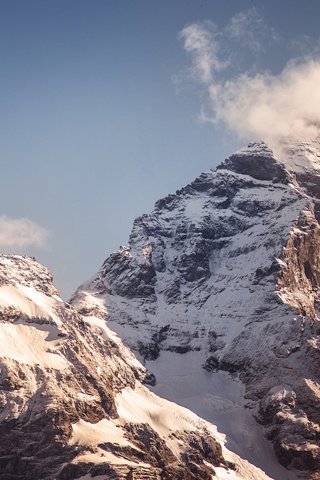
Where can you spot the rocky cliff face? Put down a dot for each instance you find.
(229, 267)
(72, 404)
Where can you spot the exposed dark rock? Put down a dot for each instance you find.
(72, 471)
(150, 379)
(260, 165)
(149, 351)
(180, 348)
(211, 364)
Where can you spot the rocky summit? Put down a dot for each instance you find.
(225, 274)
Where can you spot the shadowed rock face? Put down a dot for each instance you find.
(71, 399)
(258, 162)
(229, 266)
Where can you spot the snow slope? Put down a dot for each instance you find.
(218, 398)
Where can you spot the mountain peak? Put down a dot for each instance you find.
(258, 161)
(256, 148)
(226, 273)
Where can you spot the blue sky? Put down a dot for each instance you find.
(101, 107)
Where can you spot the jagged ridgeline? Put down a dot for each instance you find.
(72, 403)
(226, 273)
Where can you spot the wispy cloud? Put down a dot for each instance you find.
(21, 232)
(249, 28)
(272, 107)
(201, 43)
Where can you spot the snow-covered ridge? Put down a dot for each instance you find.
(229, 267)
(25, 271)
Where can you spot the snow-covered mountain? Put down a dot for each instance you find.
(223, 276)
(72, 402)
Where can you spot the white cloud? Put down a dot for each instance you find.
(271, 107)
(21, 232)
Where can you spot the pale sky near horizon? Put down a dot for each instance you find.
(104, 106)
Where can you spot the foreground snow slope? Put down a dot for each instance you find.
(229, 267)
(72, 404)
